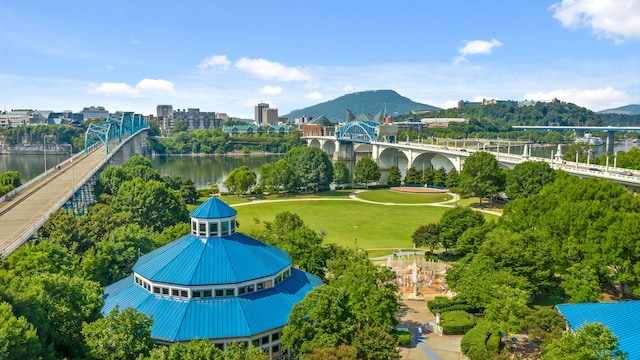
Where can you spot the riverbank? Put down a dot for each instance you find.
(34, 150)
(232, 153)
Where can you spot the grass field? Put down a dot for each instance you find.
(388, 196)
(374, 226)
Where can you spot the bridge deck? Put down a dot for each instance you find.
(21, 216)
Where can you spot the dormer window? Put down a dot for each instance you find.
(213, 227)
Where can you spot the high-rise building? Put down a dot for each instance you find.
(269, 117)
(94, 112)
(258, 113)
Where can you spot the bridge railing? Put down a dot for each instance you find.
(27, 234)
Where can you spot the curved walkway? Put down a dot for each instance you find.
(353, 197)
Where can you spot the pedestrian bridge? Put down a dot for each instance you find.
(387, 154)
(24, 210)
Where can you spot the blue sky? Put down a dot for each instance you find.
(226, 56)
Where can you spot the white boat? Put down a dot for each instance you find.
(590, 139)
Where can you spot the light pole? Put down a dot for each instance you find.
(355, 243)
(45, 151)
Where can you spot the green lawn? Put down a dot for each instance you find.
(388, 196)
(375, 226)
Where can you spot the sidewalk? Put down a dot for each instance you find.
(430, 346)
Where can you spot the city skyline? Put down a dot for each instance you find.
(228, 57)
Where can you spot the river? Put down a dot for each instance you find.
(204, 170)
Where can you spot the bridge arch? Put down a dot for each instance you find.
(314, 143)
(433, 160)
(329, 147)
(390, 156)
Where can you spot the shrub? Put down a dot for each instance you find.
(493, 343)
(457, 322)
(403, 337)
(447, 304)
(474, 343)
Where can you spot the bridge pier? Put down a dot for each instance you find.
(610, 142)
(344, 151)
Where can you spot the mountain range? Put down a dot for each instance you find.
(365, 102)
(626, 110)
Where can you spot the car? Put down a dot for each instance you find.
(465, 150)
(445, 148)
(626, 172)
(594, 169)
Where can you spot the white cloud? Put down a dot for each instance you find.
(313, 96)
(270, 90)
(135, 42)
(268, 70)
(215, 61)
(594, 99)
(612, 19)
(448, 104)
(110, 68)
(155, 84)
(126, 90)
(476, 47)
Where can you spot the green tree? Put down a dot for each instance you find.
(121, 335)
(591, 341)
(395, 177)
(428, 176)
(18, 338)
(43, 257)
(427, 235)
(341, 174)
(240, 180)
(528, 178)
(192, 350)
(9, 180)
(480, 176)
(375, 343)
(582, 284)
(151, 204)
(452, 178)
(179, 126)
(322, 319)
(412, 176)
(440, 177)
(188, 191)
(312, 168)
(366, 171)
(454, 222)
(508, 308)
(342, 352)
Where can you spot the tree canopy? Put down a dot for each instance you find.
(480, 176)
(366, 171)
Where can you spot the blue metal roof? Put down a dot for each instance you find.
(213, 208)
(622, 318)
(192, 260)
(213, 318)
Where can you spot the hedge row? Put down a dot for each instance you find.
(403, 337)
(447, 304)
(457, 322)
(476, 342)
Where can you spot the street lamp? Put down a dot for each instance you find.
(355, 243)
(45, 151)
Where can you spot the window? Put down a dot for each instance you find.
(207, 294)
(251, 288)
(275, 348)
(231, 292)
(233, 226)
(265, 340)
(268, 284)
(242, 290)
(260, 285)
(156, 290)
(174, 292)
(225, 228)
(184, 293)
(195, 293)
(213, 229)
(219, 292)
(203, 229)
(256, 343)
(165, 291)
(275, 336)
(193, 227)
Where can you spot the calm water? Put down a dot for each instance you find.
(214, 169)
(29, 166)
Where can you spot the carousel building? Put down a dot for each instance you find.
(216, 284)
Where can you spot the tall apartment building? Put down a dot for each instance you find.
(165, 117)
(258, 113)
(194, 119)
